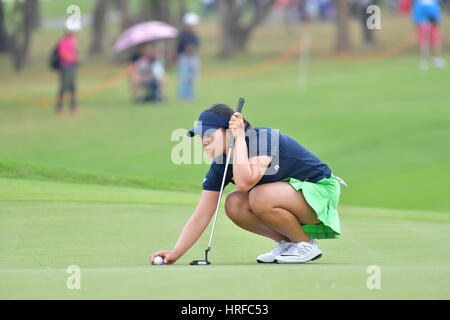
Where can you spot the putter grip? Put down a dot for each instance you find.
(240, 105)
(239, 108)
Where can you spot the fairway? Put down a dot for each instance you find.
(365, 120)
(111, 241)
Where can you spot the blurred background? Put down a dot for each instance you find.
(368, 101)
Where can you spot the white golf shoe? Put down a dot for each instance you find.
(439, 62)
(300, 252)
(269, 257)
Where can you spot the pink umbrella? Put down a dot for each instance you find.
(144, 32)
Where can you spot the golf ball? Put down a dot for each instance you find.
(158, 260)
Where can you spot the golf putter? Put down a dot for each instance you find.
(230, 148)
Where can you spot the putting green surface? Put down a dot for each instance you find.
(111, 238)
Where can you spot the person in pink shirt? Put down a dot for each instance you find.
(68, 62)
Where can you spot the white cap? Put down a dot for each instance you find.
(191, 19)
(72, 26)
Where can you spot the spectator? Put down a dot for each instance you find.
(404, 7)
(68, 62)
(188, 61)
(368, 34)
(151, 78)
(427, 16)
(159, 71)
(133, 73)
(189, 66)
(312, 9)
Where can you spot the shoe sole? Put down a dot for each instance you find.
(259, 261)
(288, 262)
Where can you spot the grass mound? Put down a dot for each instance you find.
(13, 169)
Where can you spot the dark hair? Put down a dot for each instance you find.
(224, 110)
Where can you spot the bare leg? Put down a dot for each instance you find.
(435, 40)
(425, 44)
(437, 49)
(238, 210)
(283, 208)
(436, 43)
(424, 34)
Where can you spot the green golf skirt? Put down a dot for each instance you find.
(323, 197)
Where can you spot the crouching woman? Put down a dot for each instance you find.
(283, 191)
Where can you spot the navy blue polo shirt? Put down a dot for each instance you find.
(187, 37)
(289, 160)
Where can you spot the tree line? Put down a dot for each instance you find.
(235, 30)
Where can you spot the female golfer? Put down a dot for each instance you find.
(283, 191)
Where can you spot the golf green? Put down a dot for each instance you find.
(110, 239)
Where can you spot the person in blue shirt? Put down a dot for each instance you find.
(188, 59)
(426, 14)
(283, 191)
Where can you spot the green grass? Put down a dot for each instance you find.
(373, 124)
(57, 8)
(109, 232)
(19, 170)
(101, 191)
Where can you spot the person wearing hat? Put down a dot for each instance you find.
(68, 61)
(283, 191)
(188, 60)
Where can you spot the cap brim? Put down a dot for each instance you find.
(201, 130)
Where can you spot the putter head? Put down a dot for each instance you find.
(202, 262)
(199, 262)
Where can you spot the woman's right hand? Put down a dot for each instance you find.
(169, 257)
(196, 224)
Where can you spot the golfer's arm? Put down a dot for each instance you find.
(247, 172)
(197, 223)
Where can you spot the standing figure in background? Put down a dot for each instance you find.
(368, 34)
(404, 7)
(427, 16)
(188, 61)
(189, 66)
(68, 62)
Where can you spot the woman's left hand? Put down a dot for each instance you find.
(236, 125)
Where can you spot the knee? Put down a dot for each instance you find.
(234, 204)
(259, 204)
